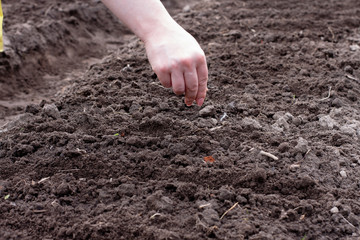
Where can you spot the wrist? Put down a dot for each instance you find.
(160, 29)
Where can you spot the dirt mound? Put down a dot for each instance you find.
(119, 156)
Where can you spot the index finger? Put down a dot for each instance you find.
(202, 72)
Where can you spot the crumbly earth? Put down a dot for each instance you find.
(114, 155)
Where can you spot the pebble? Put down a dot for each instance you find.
(348, 130)
(187, 8)
(354, 47)
(210, 217)
(207, 123)
(51, 110)
(302, 146)
(343, 174)
(337, 103)
(281, 124)
(327, 122)
(334, 210)
(249, 122)
(207, 111)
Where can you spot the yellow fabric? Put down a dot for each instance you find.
(1, 35)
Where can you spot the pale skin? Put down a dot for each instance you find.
(175, 56)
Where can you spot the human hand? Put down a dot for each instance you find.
(179, 62)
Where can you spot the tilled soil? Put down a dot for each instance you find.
(117, 156)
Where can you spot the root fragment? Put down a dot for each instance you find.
(269, 155)
(332, 33)
(328, 96)
(155, 215)
(227, 211)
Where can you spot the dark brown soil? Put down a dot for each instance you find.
(114, 155)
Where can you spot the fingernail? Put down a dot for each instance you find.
(188, 102)
(200, 101)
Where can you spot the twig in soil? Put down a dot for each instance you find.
(332, 33)
(328, 96)
(43, 179)
(205, 205)
(269, 155)
(227, 211)
(211, 229)
(347, 221)
(306, 153)
(155, 215)
(352, 78)
(223, 117)
(294, 166)
(127, 68)
(55, 203)
(215, 128)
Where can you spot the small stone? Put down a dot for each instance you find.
(343, 174)
(297, 121)
(187, 8)
(207, 123)
(327, 122)
(334, 210)
(302, 146)
(348, 130)
(337, 103)
(354, 47)
(51, 110)
(62, 190)
(207, 111)
(164, 106)
(252, 123)
(210, 217)
(281, 124)
(158, 202)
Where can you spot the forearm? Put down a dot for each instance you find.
(144, 17)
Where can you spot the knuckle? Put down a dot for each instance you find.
(192, 88)
(203, 82)
(186, 62)
(200, 59)
(161, 69)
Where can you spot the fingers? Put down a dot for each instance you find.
(178, 83)
(165, 78)
(202, 73)
(189, 76)
(191, 86)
